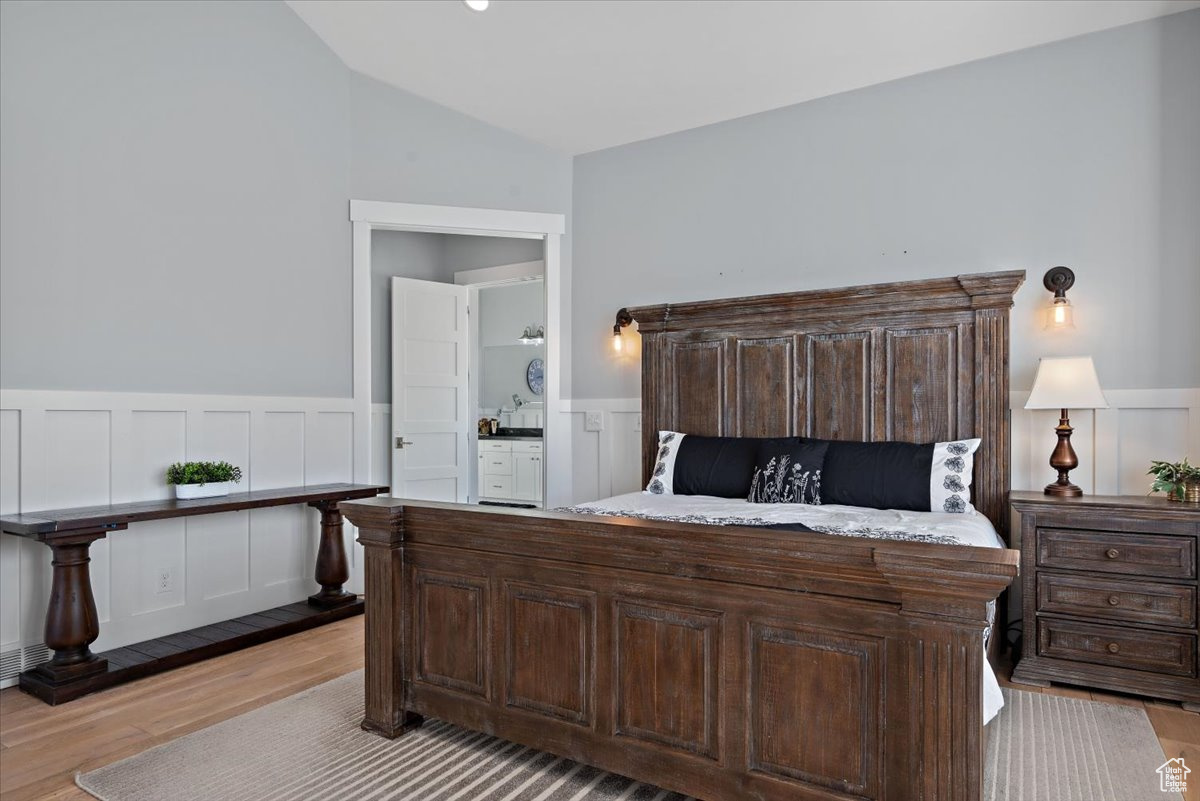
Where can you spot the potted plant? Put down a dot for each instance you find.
(1180, 480)
(202, 479)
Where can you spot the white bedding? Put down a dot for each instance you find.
(852, 521)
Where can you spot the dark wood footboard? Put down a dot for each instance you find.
(726, 663)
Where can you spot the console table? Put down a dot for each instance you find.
(72, 623)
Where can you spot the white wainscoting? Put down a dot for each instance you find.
(63, 449)
(1114, 445)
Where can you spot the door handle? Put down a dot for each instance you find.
(401, 442)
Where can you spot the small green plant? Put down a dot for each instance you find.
(202, 473)
(1171, 477)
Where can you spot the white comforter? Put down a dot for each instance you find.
(851, 521)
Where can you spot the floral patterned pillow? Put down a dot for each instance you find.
(788, 471)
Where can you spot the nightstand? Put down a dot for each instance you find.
(1109, 589)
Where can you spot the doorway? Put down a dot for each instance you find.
(508, 350)
(423, 409)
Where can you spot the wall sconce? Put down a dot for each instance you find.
(532, 337)
(1060, 314)
(624, 319)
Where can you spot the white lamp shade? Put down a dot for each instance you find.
(1066, 383)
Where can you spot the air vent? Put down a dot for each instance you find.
(10, 664)
(17, 660)
(36, 655)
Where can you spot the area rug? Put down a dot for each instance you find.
(309, 746)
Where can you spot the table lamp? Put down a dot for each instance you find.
(1064, 384)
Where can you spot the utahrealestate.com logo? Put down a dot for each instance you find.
(1172, 776)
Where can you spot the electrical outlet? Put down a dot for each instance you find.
(593, 421)
(165, 582)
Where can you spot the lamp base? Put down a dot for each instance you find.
(1067, 490)
(1064, 461)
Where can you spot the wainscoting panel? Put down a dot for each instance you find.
(1114, 445)
(61, 449)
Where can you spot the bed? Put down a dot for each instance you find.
(728, 661)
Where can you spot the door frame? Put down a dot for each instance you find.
(370, 215)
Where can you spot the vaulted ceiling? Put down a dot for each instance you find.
(582, 75)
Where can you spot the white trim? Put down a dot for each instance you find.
(360, 288)
(502, 274)
(74, 400)
(367, 215)
(457, 219)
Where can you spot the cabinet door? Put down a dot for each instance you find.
(527, 477)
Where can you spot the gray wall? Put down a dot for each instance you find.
(477, 252)
(427, 257)
(1083, 152)
(175, 186)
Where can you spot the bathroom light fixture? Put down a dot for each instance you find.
(624, 319)
(531, 336)
(1060, 314)
(477, 5)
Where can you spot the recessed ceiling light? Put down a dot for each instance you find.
(477, 5)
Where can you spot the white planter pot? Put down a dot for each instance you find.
(210, 490)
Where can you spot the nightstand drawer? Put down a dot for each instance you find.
(1154, 651)
(1106, 552)
(1115, 599)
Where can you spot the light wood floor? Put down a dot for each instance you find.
(42, 747)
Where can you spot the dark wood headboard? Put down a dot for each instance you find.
(918, 361)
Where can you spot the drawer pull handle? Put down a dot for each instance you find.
(1112, 553)
(1113, 600)
(1114, 648)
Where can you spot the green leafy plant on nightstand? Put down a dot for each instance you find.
(1177, 479)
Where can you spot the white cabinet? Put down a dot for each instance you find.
(510, 470)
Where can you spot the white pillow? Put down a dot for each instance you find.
(950, 476)
(662, 476)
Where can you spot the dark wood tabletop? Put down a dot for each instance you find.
(119, 516)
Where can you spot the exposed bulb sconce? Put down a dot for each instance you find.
(1060, 314)
(531, 336)
(624, 319)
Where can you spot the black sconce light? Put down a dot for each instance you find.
(624, 319)
(1060, 314)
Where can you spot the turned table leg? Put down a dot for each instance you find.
(332, 568)
(72, 623)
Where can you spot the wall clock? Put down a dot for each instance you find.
(534, 376)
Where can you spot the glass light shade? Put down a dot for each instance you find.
(1066, 383)
(617, 344)
(477, 5)
(1060, 314)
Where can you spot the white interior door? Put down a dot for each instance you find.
(429, 391)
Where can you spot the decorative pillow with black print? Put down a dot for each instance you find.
(934, 477)
(687, 464)
(788, 471)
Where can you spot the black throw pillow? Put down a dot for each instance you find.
(718, 466)
(788, 470)
(933, 476)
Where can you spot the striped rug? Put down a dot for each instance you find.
(309, 746)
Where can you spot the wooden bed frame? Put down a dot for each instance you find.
(726, 663)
